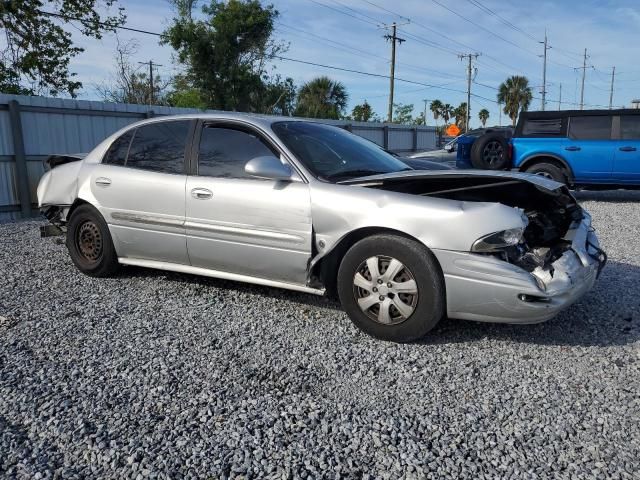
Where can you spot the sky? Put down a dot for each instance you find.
(349, 34)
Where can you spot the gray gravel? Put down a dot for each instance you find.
(161, 375)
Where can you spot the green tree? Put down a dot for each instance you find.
(36, 50)
(447, 112)
(280, 97)
(183, 94)
(402, 113)
(460, 115)
(483, 115)
(515, 93)
(436, 109)
(322, 98)
(362, 112)
(225, 51)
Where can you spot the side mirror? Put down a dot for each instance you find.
(269, 167)
(448, 148)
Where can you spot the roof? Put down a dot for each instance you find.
(549, 114)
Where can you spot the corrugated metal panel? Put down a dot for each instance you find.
(375, 135)
(426, 140)
(400, 139)
(8, 185)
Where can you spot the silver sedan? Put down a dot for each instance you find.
(309, 207)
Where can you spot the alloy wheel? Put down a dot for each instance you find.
(492, 153)
(385, 290)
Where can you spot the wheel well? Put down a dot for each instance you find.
(547, 159)
(77, 202)
(326, 270)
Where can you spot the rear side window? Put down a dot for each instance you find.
(597, 127)
(225, 151)
(630, 127)
(548, 127)
(159, 147)
(117, 153)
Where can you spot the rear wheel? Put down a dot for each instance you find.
(89, 243)
(549, 170)
(391, 287)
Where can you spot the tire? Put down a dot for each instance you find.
(89, 243)
(490, 152)
(418, 313)
(549, 170)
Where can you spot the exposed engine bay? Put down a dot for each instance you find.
(549, 213)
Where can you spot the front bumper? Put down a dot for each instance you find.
(485, 288)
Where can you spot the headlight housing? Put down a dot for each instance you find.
(498, 240)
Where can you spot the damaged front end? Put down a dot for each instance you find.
(524, 274)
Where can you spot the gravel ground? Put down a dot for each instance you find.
(161, 375)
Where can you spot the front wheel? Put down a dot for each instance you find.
(391, 287)
(89, 243)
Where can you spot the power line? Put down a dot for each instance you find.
(345, 13)
(103, 24)
(503, 20)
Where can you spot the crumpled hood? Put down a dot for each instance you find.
(537, 180)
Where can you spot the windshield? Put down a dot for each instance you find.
(333, 154)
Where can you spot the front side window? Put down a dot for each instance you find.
(117, 153)
(332, 154)
(630, 127)
(590, 127)
(159, 147)
(225, 151)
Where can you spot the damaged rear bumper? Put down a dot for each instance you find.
(485, 288)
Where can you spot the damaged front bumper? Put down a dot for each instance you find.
(486, 288)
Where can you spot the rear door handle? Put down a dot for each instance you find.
(572, 149)
(103, 181)
(201, 193)
(627, 149)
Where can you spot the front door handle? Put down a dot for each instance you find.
(201, 193)
(103, 181)
(572, 148)
(627, 149)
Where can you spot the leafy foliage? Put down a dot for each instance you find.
(362, 112)
(37, 50)
(225, 54)
(402, 113)
(436, 109)
(515, 93)
(322, 98)
(183, 94)
(460, 115)
(483, 115)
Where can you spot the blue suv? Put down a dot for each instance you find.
(577, 147)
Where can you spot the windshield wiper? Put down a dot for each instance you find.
(352, 173)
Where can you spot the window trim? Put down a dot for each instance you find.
(571, 117)
(241, 126)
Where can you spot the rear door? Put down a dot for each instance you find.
(626, 165)
(240, 224)
(589, 148)
(140, 189)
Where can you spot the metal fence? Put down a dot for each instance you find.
(32, 128)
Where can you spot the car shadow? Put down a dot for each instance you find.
(608, 196)
(609, 315)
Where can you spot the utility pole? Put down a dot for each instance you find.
(613, 77)
(584, 72)
(560, 99)
(425, 110)
(470, 57)
(151, 65)
(499, 114)
(544, 70)
(394, 38)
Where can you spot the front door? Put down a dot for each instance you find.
(140, 191)
(239, 224)
(589, 149)
(626, 165)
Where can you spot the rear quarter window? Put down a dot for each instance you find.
(548, 127)
(630, 127)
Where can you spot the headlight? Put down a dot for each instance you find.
(498, 240)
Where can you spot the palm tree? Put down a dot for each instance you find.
(483, 115)
(322, 98)
(515, 94)
(446, 112)
(436, 109)
(460, 114)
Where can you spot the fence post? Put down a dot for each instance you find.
(22, 175)
(385, 142)
(415, 138)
